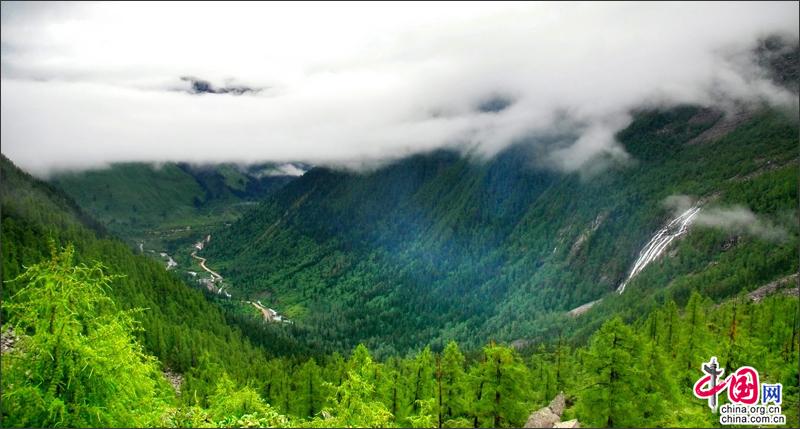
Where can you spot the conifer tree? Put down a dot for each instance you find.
(355, 405)
(423, 383)
(612, 378)
(451, 394)
(310, 391)
(694, 336)
(391, 389)
(503, 398)
(670, 327)
(659, 391)
(76, 363)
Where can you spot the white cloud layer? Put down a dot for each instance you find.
(737, 219)
(88, 84)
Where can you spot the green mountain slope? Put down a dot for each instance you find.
(510, 247)
(229, 383)
(145, 202)
(443, 246)
(186, 332)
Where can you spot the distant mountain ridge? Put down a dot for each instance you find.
(134, 198)
(439, 245)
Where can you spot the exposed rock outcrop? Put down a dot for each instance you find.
(557, 405)
(550, 416)
(788, 282)
(7, 340)
(721, 124)
(577, 311)
(730, 242)
(544, 418)
(174, 379)
(578, 245)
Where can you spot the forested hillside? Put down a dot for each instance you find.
(445, 246)
(406, 259)
(97, 331)
(483, 215)
(85, 368)
(148, 203)
(178, 324)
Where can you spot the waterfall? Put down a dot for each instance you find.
(656, 246)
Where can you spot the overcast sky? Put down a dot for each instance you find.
(88, 84)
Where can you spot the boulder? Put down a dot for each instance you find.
(175, 379)
(544, 418)
(7, 340)
(557, 405)
(550, 416)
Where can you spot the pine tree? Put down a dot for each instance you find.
(355, 405)
(76, 363)
(475, 394)
(659, 391)
(361, 362)
(310, 394)
(612, 378)
(503, 398)
(694, 336)
(390, 389)
(670, 327)
(423, 379)
(335, 370)
(451, 383)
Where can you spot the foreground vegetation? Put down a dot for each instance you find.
(77, 363)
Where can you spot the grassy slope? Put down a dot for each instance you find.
(165, 207)
(134, 195)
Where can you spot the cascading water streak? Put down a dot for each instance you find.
(656, 246)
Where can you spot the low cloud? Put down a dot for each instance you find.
(741, 219)
(353, 85)
(287, 169)
(736, 219)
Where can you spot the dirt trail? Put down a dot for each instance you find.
(203, 265)
(264, 312)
